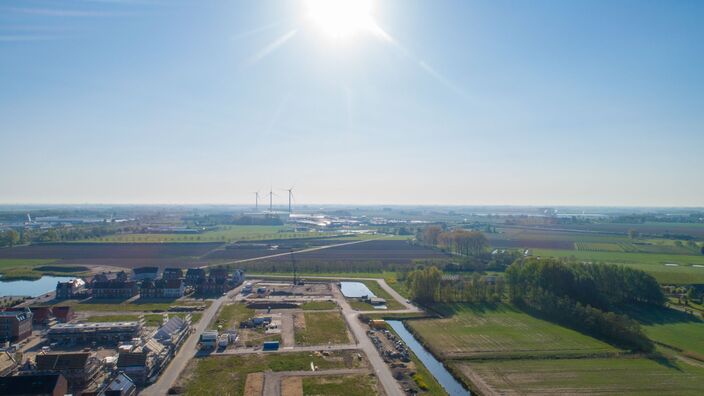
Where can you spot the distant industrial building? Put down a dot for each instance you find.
(53, 384)
(100, 333)
(79, 368)
(70, 289)
(15, 324)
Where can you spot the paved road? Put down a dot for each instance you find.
(188, 349)
(381, 369)
(310, 348)
(272, 379)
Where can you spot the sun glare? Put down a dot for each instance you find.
(341, 18)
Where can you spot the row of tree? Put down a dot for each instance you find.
(581, 295)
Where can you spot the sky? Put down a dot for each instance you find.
(451, 102)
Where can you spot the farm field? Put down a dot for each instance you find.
(225, 233)
(226, 375)
(383, 255)
(684, 272)
(501, 331)
(618, 376)
(321, 328)
(352, 385)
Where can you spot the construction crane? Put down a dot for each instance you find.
(295, 273)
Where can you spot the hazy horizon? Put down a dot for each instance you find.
(427, 103)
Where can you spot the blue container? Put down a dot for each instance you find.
(270, 346)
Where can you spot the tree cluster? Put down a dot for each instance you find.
(9, 238)
(579, 296)
(429, 285)
(462, 242)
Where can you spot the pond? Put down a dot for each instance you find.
(451, 385)
(355, 290)
(31, 288)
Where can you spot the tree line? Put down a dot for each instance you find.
(584, 296)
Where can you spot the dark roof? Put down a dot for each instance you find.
(62, 311)
(129, 359)
(145, 270)
(36, 384)
(113, 284)
(62, 361)
(195, 272)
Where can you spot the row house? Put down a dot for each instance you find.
(162, 288)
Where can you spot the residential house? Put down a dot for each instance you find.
(141, 364)
(143, 273)
(15, 324)
(195, 276)
(173, 331)
(172, 273)
(40, 315)
(70, 289)
(79, 368)
(115, 289)
(100, 333)
(64, 313)
(162, 288)
(53, 384)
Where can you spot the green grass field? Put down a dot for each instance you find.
(351, 385)
(30, 269)
(231, 314)
(318, 305)
(226, 375)
(616, 376)
(501, 331)
(683, 273)
(672, 328)
(322, 328)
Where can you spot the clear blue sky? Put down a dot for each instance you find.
(455, 102)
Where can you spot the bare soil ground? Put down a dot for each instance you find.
(254, 385)
(292, 386)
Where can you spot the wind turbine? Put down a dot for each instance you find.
(271, 199)
(290, 197)
(256, 201)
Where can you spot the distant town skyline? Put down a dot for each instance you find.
(537, 103)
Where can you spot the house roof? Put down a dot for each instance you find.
(173, 326)
(62, 361)
(120, 385)
(130, 359)
(6, 361)
(146, 270)
(36, 384)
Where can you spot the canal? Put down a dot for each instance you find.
(451, 385)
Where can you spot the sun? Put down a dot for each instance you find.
(341, 18)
